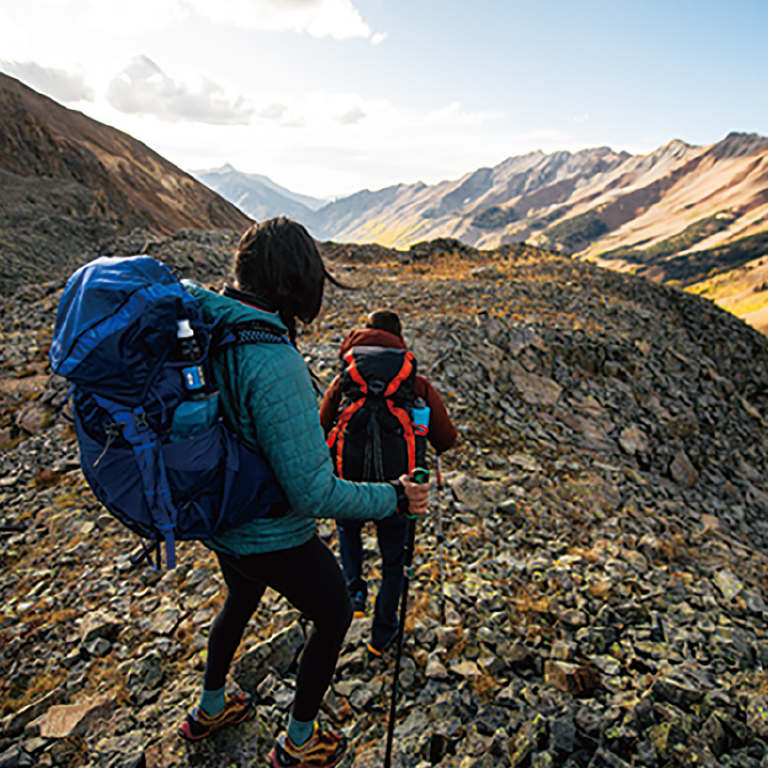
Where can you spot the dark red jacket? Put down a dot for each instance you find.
(442, 434)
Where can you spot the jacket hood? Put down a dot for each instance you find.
(370, 337)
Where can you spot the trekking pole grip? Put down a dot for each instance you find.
(420, 476)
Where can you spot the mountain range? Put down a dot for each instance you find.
(674, 214)
(69, 186)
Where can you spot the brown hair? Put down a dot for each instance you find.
(385, 320)
(278, 261)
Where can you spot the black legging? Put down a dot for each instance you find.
(310, 579)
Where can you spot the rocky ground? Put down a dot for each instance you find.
(605, 550)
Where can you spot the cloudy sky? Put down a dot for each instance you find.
(327, 97)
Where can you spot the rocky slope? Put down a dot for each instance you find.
(605, 552)
(69, 184)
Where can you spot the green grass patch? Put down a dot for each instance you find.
(577, 233)
(495, 217)
(692, 234)
(694, 267)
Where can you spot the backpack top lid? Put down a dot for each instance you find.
(116, 323)
(378, 371)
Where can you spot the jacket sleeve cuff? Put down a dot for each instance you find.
(403, 505)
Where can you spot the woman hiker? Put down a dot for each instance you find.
(267, 395)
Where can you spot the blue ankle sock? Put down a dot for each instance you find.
(299, 732)
(212, 702)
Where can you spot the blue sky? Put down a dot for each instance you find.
(328, 97)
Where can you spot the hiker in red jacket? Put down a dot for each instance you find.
(383, 329)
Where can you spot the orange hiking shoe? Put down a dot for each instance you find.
(323, 750)
(374, 653)
(198, 725)
(358, 606)
(377, 653)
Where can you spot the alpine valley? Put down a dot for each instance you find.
(697, 216)
(600, 525)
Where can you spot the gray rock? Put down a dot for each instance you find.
(99, 624)
(278, 654)
(97, 648)
(273, 689)
(527, 740)
(144, 674)
(605, 759)
(15, 757)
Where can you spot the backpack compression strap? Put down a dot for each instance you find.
(149, 457)
(410, 438)
(336, 436)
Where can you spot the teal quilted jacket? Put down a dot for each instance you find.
(274, 408)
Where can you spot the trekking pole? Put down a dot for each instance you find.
(419, 476)
(440, 537)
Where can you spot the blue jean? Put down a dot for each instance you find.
(392, 533)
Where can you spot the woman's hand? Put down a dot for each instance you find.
(417, 494)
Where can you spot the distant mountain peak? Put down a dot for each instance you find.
(740, 145)
(258, 195)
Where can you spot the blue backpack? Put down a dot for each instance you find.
(115, 340)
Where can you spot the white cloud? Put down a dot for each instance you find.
(143, 88)
(304, 148)
(454, 115)
(127, 18)
(56, 83)
(320, 18)
(581, 118)
(352, 117)
(339, 19)
(274, 111)
(14, 41)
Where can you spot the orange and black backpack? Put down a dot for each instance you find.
(373, 438)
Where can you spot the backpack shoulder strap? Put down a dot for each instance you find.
(251, 332)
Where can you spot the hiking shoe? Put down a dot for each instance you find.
(377, 653)
(323, 750)
(374, 653)
(198, 725)
(358, 606)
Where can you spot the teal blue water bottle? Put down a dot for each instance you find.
(420, 428)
